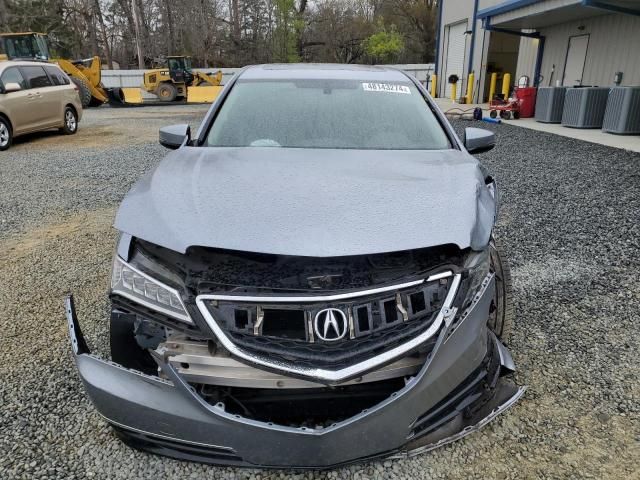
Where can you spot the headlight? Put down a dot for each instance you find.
(145, 290)
(478, 265)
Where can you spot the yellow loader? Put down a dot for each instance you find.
(178, 81)
(86, 74)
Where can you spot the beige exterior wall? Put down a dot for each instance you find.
(614, 43)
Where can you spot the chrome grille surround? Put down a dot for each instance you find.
(324, 375)
(285, 325)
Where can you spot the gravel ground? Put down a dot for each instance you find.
(570, 223)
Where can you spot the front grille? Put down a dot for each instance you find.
(292, 319)
(290, 330)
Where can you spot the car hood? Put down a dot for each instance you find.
(309, 202)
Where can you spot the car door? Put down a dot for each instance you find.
(60, 90)
(44, 96)
(18, 106)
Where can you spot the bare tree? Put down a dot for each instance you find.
(171, 44)
(136, 24)
(103, 31)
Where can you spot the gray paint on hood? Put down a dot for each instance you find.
(310, 202)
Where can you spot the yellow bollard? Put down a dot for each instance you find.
(492, 86)
(454, 91)
(434, 78)
(506, 85)
(469, 96)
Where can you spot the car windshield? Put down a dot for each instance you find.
(342, 114)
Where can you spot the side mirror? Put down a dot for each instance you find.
(12, 87)
(478, 140)
(174, 136)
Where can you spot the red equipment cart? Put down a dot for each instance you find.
(505, 107)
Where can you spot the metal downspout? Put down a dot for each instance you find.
(437, 61)
(536, 74)
(472, 47)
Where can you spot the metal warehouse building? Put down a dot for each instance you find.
(570, 42)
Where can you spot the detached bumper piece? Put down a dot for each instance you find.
(462, 385)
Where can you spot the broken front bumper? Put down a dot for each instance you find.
(168, 417)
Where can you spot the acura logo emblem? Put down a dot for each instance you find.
(330, 324)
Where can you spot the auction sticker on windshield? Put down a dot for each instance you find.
(385, 87)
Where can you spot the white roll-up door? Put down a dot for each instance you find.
(454, 63)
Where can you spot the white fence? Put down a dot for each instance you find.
(133, 78)
(422, 71)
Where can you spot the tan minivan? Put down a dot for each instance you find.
(36, 96)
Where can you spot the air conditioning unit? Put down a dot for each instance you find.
(549, 104)
(584, 107)
(622, 115)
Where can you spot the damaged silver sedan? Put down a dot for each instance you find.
(310, 280)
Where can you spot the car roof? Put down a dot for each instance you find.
(24, 63)
(323, 71)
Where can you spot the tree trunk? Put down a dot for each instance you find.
(93, 38)
(136, 25)
(142, 21)
(235, 20)
(169, 17)
(103, 31)
(128, 34)
(4, 15)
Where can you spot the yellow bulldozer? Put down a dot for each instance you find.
(86, 74)
(178, 81)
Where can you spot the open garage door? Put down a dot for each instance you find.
(455, 55)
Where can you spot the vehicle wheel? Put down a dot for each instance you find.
(167, 92)
(6, 137)
(516, 115)
(70, 121)
(501, 311)
(493, 114)
(84, 91)
(505, 115)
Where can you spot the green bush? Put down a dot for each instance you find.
(384, 46)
